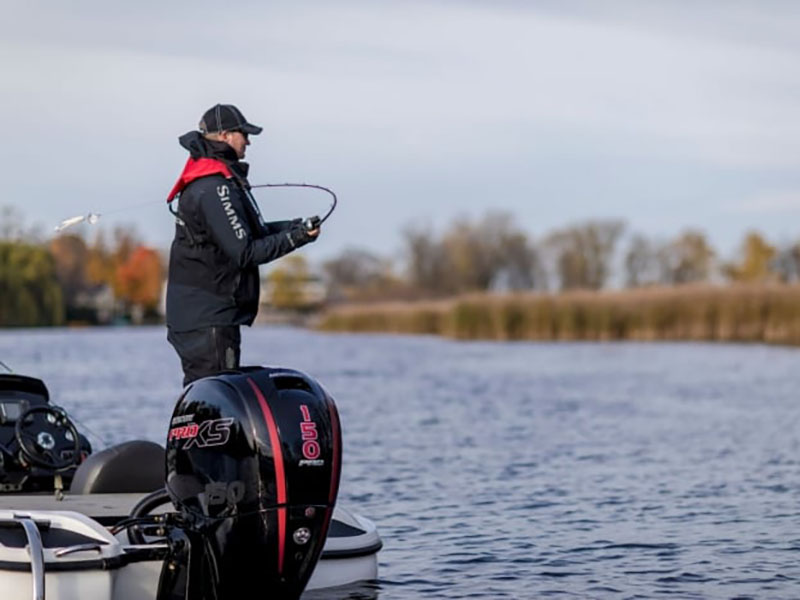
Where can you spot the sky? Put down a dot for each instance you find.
(669, 115)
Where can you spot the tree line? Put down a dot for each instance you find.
(493, 253)
(69, 279)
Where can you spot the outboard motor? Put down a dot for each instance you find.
(253, 465)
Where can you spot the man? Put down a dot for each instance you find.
(220, 239)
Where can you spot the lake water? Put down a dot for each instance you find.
(514, 470)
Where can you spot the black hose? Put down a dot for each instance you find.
(149, 502)
(142, 508)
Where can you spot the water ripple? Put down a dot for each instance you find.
(513, 470)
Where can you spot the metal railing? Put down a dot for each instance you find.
(35, 550)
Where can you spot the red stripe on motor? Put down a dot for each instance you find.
(337, 451)
(280, 475)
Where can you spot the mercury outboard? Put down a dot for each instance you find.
(253, 466)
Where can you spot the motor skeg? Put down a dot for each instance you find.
(253, 465)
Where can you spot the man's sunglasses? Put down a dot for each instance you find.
(244, 133)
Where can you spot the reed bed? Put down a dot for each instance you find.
(734, 313)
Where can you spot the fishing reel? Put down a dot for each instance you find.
(312, 223)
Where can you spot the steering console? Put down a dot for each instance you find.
(47, 438)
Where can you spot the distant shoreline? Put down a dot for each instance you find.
(731, 313)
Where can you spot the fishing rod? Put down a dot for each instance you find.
(310, 223)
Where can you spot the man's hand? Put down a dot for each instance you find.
(312, 224)
(300, 235)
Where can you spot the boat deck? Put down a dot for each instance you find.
(106, 509)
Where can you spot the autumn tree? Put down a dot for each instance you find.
(473, 256)
(582, 254)
(687, 259)
(29, 291)
(133, 271)
(291, 287)
(125, 243)
(138, 279)
(70, 255)
(489, 253)
(471, 259)
(755, 263)
(99, 263)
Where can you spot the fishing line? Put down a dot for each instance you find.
(97, 435)
(105, 442)
(91, 218)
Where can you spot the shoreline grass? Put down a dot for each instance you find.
(733, 313)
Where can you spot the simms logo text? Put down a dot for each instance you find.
(224, 193)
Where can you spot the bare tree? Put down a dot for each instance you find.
(479, 255)
(13, 227)
(9, 223)
(355, 272)
(522, 266)
(427, 261)
(70, 256)
(510, 259)
(582, 253)
(787, 263)
(687, 259)
(641, 262)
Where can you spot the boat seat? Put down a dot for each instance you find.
(135, 466)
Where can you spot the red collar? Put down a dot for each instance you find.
(195, 169)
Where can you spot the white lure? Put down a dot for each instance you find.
(90, 218)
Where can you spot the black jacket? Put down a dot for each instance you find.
(220, 239)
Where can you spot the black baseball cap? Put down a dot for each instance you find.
(226, 117)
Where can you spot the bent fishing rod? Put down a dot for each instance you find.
(310, 223)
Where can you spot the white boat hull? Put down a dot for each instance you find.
(101, 566)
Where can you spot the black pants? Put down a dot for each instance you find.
(205, 352)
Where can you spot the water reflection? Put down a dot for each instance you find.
(367, 590)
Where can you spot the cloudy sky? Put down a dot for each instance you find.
(667, 114)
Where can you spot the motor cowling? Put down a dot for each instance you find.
(253, 464)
